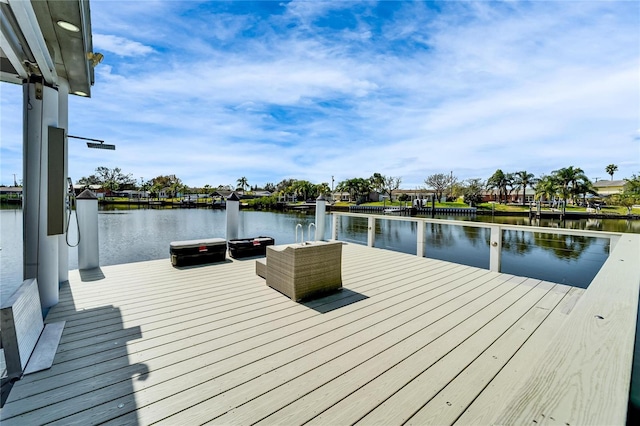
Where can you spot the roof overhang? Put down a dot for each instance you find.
(34, 44)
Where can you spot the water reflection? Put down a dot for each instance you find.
(392, 235)
(567, 259)
(591, 224)
(459, 244)
(353, 229)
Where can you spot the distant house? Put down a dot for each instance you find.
(344, 196)
(493, 195)
(606, 188)
(340, 196)
(413, 194)
(287, 198)
(131, 193)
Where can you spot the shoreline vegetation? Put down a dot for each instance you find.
(271, 203)
(566, 191)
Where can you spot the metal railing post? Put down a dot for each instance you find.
(495, 249)
(371, 231)
(420, 239)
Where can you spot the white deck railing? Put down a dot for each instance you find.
(495, 246)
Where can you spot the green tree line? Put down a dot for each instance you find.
(569, 184)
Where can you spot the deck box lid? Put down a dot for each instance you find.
(197, 243)
(251, 241)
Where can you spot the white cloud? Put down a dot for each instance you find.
(120, 46)
(314, 89)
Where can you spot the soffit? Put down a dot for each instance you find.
(68, 50)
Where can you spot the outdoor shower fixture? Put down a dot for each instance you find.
(100, 145)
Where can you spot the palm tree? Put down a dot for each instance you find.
(632, 186)
(585, 187)
(363, 188)
(301, 188)
(510, 181)
(243, 183)
(568, 178)
(356, 187)
(176, 187)
(524, 179)
(343, 187)
(546, 188)
(611, 169)
(157, 188)
(499, 181)
(323, 188)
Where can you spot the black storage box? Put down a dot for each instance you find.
(196, 252)
(249, 247)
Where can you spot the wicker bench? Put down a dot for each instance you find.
(301, 271)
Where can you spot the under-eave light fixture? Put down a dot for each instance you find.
(68, 26)
(80, 93)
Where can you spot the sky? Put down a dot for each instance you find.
(214, 91)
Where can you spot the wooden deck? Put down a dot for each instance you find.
(408, 339)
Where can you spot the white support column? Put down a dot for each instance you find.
(334, 227)
(495, 248)
(321, 209)
(40, 258)
(89, 244)
(420, 239)
(233, 213)
(371, 231)
(63, 123)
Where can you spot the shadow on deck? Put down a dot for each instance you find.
(60, 393)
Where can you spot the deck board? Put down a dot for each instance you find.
(202, 370)
(207, 345)
(378, 398)
(152, 343)
(593, 351)
(494, 396)
(323, 358)
(451, 400)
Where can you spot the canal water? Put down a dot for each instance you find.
(571, 260)
(134, 235)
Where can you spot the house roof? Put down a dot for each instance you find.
(609, 183)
